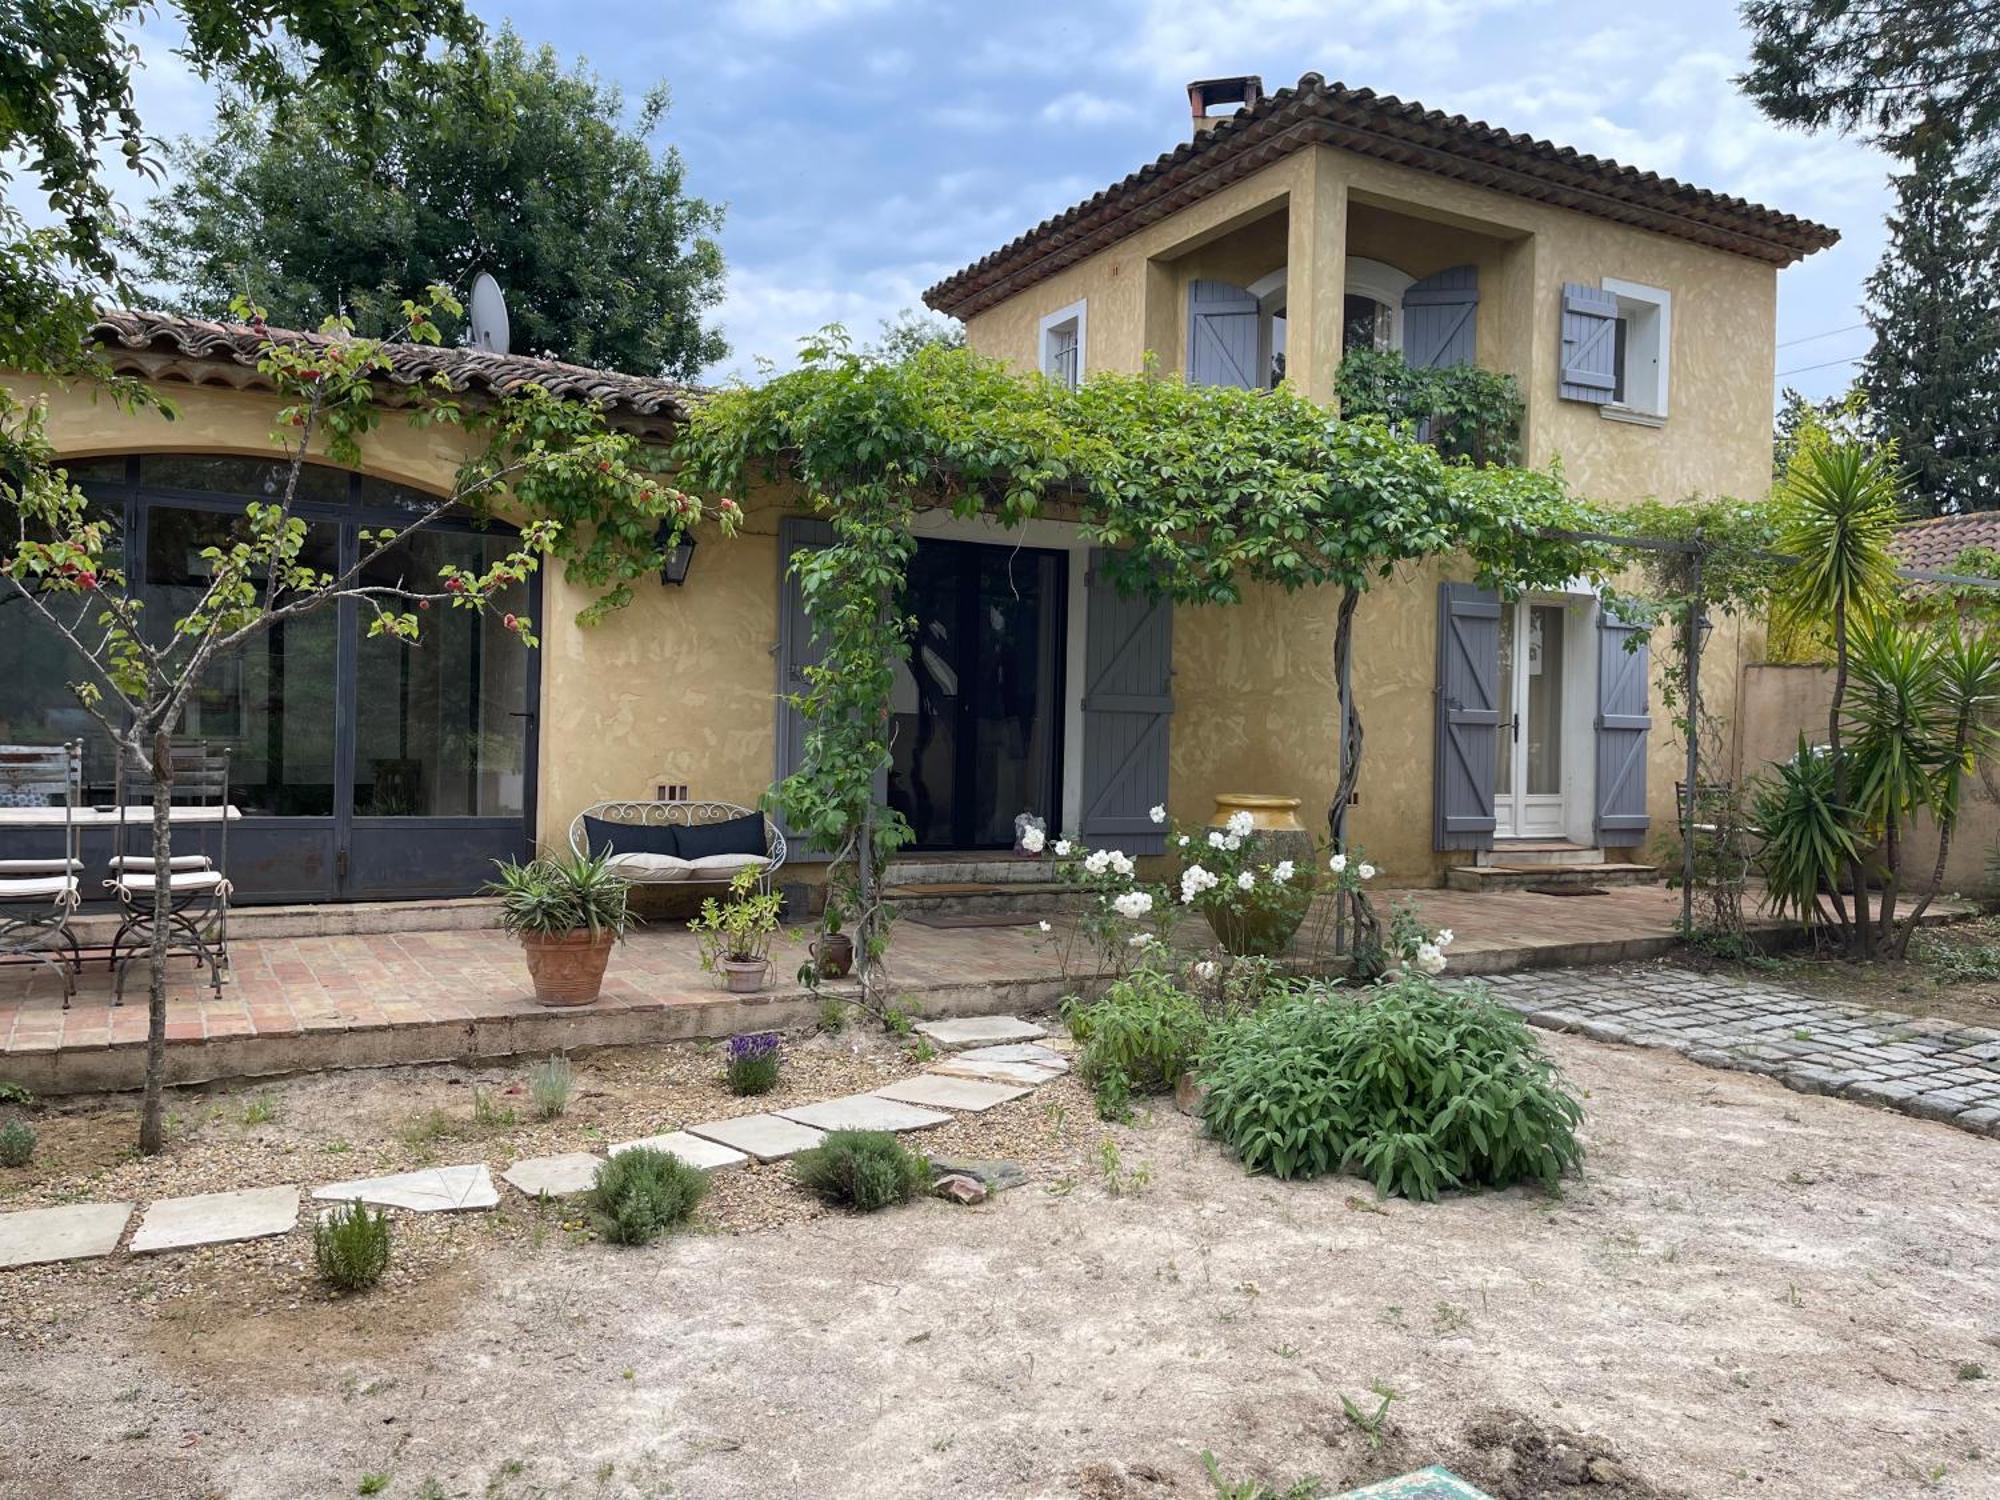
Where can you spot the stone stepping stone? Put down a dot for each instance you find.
(1032, 1053)
(217, 1218)
(980, 1031)
(1435, 1483)
(692, 1149)
(956, 1066)
(561, 1176)
(865, 1112)
(434, 1190)
(766, 1137)
(970, 1094)
(76, 1231)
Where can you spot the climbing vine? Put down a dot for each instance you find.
(1465, 411)
(1199, 492)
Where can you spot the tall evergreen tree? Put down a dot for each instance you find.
(1933, 376)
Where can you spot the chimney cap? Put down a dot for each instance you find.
(1246, 89)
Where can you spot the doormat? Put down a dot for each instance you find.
(1426, 1484)
(1566, 890)
(972, 919)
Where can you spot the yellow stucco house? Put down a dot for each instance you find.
(1636, 313)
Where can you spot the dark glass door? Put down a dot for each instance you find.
(978, 706)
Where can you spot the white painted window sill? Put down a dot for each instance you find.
(1637, 418)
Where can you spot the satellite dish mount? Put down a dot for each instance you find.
(489, 315)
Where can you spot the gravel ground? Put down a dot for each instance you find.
(1748, 1293)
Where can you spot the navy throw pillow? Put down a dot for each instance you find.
(744, 835)
(605, 837)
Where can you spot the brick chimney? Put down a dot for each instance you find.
(1206, 93)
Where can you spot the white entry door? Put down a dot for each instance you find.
(1528, 772)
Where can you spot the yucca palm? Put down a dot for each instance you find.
(1807, 836)
(1838, 506)
(1899, 743)
(1968, 670)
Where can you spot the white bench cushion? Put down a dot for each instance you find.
(144, 862)
(134, 881)
(59, 889)
(722, 866)
(649, 869)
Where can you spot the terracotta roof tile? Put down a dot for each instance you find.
(1316, 112)
(1935, 544)
(471, 371)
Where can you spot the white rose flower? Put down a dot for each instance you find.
(1206, 971)
(1240, 824)
(1032, 840)
(1097, 861)
(1185, 840)
(1367, 871)
(1443, 939)
(1142, 940)
(1133, 904)
(1195, 880)
(1215, 838)
(1045, 927)
(1121, 862)
(1338, 864)
(1282, 871)
(1157, 812)
(1429, 958)
(1063, 847)
(1246, 881)
(1233, 842)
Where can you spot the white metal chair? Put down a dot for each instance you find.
(197, 886)
(38, 896)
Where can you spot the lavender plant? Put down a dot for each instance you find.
(752, 1066)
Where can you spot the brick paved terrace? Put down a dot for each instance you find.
(300, 1003)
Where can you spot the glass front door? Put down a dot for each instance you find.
(978, 705)
(1528, 770)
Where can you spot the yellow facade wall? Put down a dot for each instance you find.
(1254, 685)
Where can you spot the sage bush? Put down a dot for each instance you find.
(862, 1169)
(1415, 1087)
(642, 1193)
(1138, 1037)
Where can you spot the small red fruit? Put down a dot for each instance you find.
(86, 580)
(455, 585)
(510, 622)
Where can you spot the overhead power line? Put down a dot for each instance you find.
(1815, 337)
(1823, 365)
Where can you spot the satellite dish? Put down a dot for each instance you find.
(489, 315)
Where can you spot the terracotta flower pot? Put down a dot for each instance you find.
(833, 953)
(567, 969)
(745, 976)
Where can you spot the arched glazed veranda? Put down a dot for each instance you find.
(364, 768)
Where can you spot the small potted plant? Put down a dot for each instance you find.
(736, 934)
(567, 912)
(833, 949)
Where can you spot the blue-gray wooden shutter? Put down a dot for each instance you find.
(1222, 336)
(799, 646)
(1128, 704)
(1624, 660)
(1440, 319)
(1589, 344)
(1468, 716)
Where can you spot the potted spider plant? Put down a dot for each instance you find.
(567, 911)
(736, 934)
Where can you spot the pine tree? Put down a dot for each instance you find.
(1933, 377)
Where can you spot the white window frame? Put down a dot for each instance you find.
(1649, 340)
(1384, 285)
(1078, 314)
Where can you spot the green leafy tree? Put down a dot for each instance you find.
(1933, 376)
(911, 330)
(1902, 73)
(494, 159)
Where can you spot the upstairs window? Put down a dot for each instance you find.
(1617, 339)
(1062, 338)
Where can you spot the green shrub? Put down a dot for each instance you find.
(1418, 1088)
(642, 1193)
(351, 1246)
(863, 1169)
(550, 1084)
(752, 1063)
(17, 1143)
(1138, 1037)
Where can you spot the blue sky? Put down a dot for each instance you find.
(865, 148)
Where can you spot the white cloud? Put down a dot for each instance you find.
(766, 311)
(1080, 107)
(786, 18)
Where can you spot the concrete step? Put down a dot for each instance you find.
(94, 925)
(969, 869)
(1543, 852)
(1563, 877)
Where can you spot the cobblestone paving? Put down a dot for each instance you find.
(1934, 1069)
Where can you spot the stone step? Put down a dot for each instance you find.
(990, 869)
(1563, 877)
(1539, 852)
(94, 926)
(972, 898)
